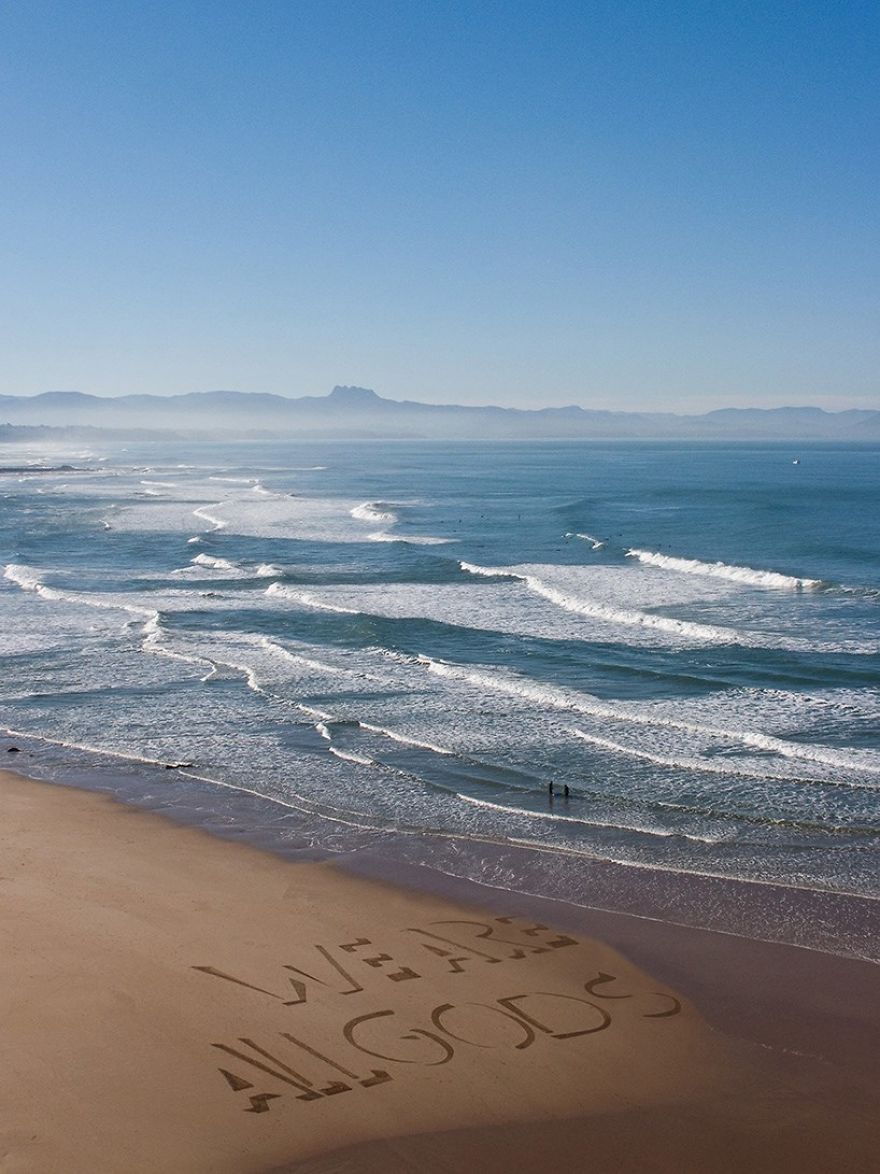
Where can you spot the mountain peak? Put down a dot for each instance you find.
(353, 395)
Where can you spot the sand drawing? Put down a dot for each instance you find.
(604, 1016)
(601, 979)
(437, 1018)
(428, 941)
(378, 961)
(434, 1037)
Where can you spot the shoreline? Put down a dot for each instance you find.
(838, 924)
(742, 985)
(152, 971)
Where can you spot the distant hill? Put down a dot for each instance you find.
(47, 434)
(358, 412)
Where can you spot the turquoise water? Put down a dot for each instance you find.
(404, 637)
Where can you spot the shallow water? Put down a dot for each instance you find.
(421, 637)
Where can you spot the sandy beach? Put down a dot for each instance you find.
(171, 1001)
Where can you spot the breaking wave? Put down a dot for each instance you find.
(595, 543)
(720, 570)
(202, 513)
(414, 539)
(687, 629)
(377, 512)
(548, 695)
(304, 597)
(213, 563)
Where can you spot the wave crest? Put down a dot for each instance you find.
(720, 570)
(213, 563)
(702, 633)
(376, 512)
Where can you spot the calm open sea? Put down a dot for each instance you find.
(405, 637)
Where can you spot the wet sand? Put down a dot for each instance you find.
(171, 1001)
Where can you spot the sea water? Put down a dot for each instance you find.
(402, 642)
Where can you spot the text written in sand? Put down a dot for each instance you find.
(515, 1020)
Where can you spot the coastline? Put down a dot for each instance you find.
(176, 1001)
(743, 986)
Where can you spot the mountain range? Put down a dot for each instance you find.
(358, 412)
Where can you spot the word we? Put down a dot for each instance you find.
(452, 956)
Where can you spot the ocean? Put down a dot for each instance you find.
(396, 647)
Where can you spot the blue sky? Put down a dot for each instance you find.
(665, 205)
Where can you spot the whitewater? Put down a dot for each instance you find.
(400, 641)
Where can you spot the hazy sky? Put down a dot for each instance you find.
(659, 204)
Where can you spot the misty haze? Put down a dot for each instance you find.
(358, 412)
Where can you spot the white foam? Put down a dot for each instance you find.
(22, 576)
(559, 817)
(297, 658)
(548, 695)
(686, 629)
(319, 713)
(143, 606)
(594, 592)
(350, 756)
(251, 509)
(403, 739)
(29, 579)
(304, 597)
(372, 511)
(720, 570)
(90, 749)
(314, 519)
(412, 539)
(215, 564)
(153, 643)
(682, 762)
(28, 628)
(504, 607)
(595, 543)
(202, 512)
